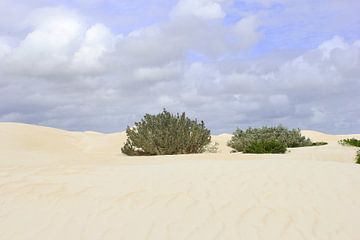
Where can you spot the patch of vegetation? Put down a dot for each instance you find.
(166, 134)
(267, 140)
(350, 142)
(212, 148)
(266, 146)
(319, 143)
(354, 143)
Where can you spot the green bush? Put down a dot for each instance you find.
(266, 146)
(350, 141)
(267, 140)
(319, 143)
(166, 134)
(212, 148)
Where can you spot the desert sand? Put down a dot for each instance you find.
(57, 184)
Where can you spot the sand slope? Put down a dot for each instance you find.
(56, 184)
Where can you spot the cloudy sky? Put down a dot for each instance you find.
(102, 64)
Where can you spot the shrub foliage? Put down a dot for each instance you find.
(166, 134)
(266, 146)
(319, 143)
(212, 148)
(267, 140)
(351, 142)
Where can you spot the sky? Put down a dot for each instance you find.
(100, 65)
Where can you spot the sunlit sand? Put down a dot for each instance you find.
(56, 184)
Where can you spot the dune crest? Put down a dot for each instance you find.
(319, 136)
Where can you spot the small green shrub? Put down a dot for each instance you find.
(267, 140)
(319, 143)
(350, 142)
(166, 134)
(354, 143)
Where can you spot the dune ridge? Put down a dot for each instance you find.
(57, 184)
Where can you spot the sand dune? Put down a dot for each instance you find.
(24, 137)
(56, 184)
(319, 136)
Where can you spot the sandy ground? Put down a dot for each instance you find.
(56, 184)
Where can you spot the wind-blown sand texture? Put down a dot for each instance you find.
(56, 184)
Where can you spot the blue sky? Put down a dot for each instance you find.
(102, 64)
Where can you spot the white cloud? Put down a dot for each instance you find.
(328, 46)
(155, 74)
(206, 9)
(98, 40)
(246, 30)
(5, 49)
(305, 91)
(309, 91)
(62, 43)
(47, 49)
(266, 3)
(279, 99)
(77, 75)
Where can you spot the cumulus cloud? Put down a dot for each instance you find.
(304, 91)
(97, 41)
(47, 48)
(65, 71)
(248, 26)
(4, 48)
(168, 72)
(266, 3)
(207, 9)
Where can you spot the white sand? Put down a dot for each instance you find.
(56, 184)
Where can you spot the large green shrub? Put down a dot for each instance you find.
(351, 142)
(265, 146)
(267, 140)
(358, 157)
(166, 134)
